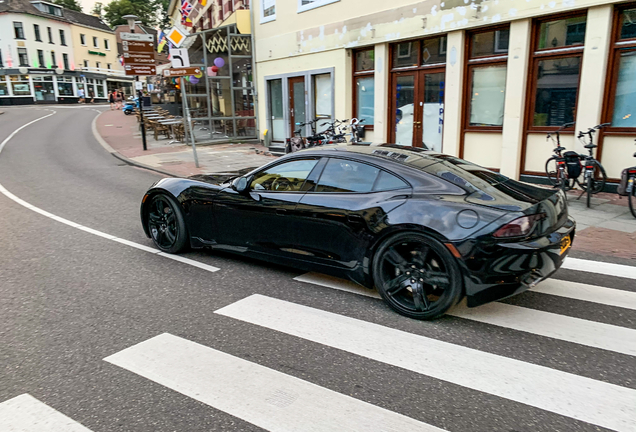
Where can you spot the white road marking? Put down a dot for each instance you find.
(25, 413)
(581, 398)
(259, 395)
(107, 236)
(589, 293)
(336, 283)
(583, 332)
(608, 269)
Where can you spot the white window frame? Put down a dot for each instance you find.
(315, 4)
(106, 44)
(83, 39)
(95, 42)
(266, 19)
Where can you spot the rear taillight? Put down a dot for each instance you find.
(519, 227)
(632, 171)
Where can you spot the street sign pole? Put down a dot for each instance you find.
(141, 107)
(186, 116)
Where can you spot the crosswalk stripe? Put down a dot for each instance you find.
(25, 413)
(581, 398)
(590, 333)
(589, 293)
(608, 269)
(259, 395)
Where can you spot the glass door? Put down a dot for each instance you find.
(432, 118)
(277, 118)
(418, 101)
(296, 103)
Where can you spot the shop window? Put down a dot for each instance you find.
(434, 51)
(20, 85)
(23, 57)
(4, 90)
(64, 88)
(243, 103)
(364, 87)
(406, 54)
(621, 106)
(36, 30)
(562, 33)
(323, 96)
(555, 72)
(18, 30)
(305, 5)
(486, 80)
(275, 93)
(100, 88)
(268, 10)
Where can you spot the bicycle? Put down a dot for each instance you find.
(593, 170)
(356, 130)
(562, 169)
(627, 187)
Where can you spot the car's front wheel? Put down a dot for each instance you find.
(166, 224)
(417, 276)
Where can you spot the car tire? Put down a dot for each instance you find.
(166, 224)
(417, 276)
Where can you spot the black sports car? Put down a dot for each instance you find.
(424, 228)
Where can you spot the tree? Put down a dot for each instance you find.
(69, 4)
(165, 21)
(98, 10)
(146, 11)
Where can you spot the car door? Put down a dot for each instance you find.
(340, 217)
(261, 219)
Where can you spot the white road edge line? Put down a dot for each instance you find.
(608, 269)
(596, 402)
(25, 413)
(576, 330)
(265, 397)
(107, 236)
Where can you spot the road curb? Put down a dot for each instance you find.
(121, 157)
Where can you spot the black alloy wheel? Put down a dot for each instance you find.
(632, 198)
(166, 225)
(417, 276)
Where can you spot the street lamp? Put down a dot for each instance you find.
(131, 23)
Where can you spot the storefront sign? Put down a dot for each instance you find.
(178, 72)
(97, 53)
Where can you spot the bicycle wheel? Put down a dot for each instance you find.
(632, 198)
(599, 177)
(551, 171)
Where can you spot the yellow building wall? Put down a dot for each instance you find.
(483, 148)
(617, 155)
(81, 51)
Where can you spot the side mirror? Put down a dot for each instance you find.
(240, 185)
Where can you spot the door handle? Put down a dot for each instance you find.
(281, 212)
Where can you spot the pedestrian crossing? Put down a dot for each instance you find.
(25, 413)
(279, 401)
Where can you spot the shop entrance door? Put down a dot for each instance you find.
(297, 111)
(44, 90)
(417, 102)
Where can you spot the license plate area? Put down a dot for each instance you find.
(566, 242)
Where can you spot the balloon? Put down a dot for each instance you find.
(219, 62)
(199, 74)
(215, 69)
(187, 78)
(194, 80)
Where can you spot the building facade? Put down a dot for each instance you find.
(482, 80)
(40, 61)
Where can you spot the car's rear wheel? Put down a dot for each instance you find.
(166, 224)
(417, 276)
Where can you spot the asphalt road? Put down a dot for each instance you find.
(283, 354)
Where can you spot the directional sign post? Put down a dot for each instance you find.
(185, 71)
(139, 59)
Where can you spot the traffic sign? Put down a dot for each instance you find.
(139, 54)
(178, 72)
(179, 58)
(176, 36)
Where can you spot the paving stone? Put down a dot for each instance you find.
(587, 220)
(618, 226)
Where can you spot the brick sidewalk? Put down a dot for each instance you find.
(122, 133)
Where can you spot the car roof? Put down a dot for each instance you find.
(412, 157)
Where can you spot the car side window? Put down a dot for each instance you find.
(386, 181)
(285, 177)
(342, 175)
